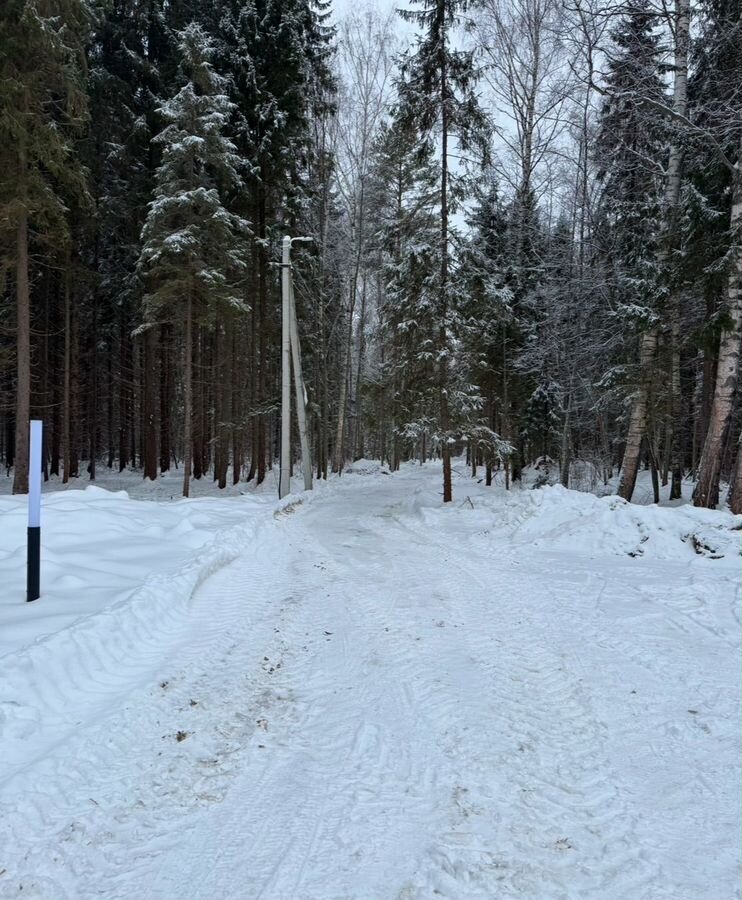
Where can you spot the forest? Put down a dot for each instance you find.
(525, 221)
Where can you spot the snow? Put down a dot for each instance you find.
(360, 693)
(96, 547)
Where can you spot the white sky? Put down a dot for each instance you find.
(340, 7)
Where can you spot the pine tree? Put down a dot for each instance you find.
(193, 251)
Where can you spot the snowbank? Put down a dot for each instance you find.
(117, 578)
(367, 467)
(556, 519)
(97, 549)
(563, 519)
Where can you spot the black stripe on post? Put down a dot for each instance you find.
(33, 581)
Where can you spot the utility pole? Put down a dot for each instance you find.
(290, 347)
(301, 397)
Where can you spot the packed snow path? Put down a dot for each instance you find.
(383, 699)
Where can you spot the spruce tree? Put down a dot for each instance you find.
(403, 203)
(42, 102)
(193, 255)
(130, 62)
(631, 154)
(486, 317)
(630, 151)
(667, 308)
(438, 94)
(276, 57)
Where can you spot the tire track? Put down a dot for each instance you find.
(379, 715)
(572, 830)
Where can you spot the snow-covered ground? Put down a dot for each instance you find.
(369, 695)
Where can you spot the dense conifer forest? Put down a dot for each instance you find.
(525, 216)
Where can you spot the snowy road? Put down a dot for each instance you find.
(386, 700)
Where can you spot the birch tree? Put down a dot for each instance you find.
(637, 428)
(706, 492)
(717, 92)
(365, 70)
(525, 69)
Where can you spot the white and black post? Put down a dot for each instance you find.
(284, 479)
(33, 575)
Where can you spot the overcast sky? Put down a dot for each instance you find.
(342, 7)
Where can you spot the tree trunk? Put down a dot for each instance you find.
(74, 391)
(149, 438)
(639, 415)
(735, 491)
(443, 335)
(566, 455)
(223, 366)
(676, 409)
(135, 357)
(338, 455)
(187, 397)
(704, 393)
(109, 407)
(253, 448)
(67, 410)
(23, 351)
(655, 475)
(706, 492)
(358, 441)
(649, 341)
(668, 441)
(124, 390)
(262, 341)
(197, 404)
(56, 394)
(46, 375)
(236, 429)
(505, 412)
(166, 394)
